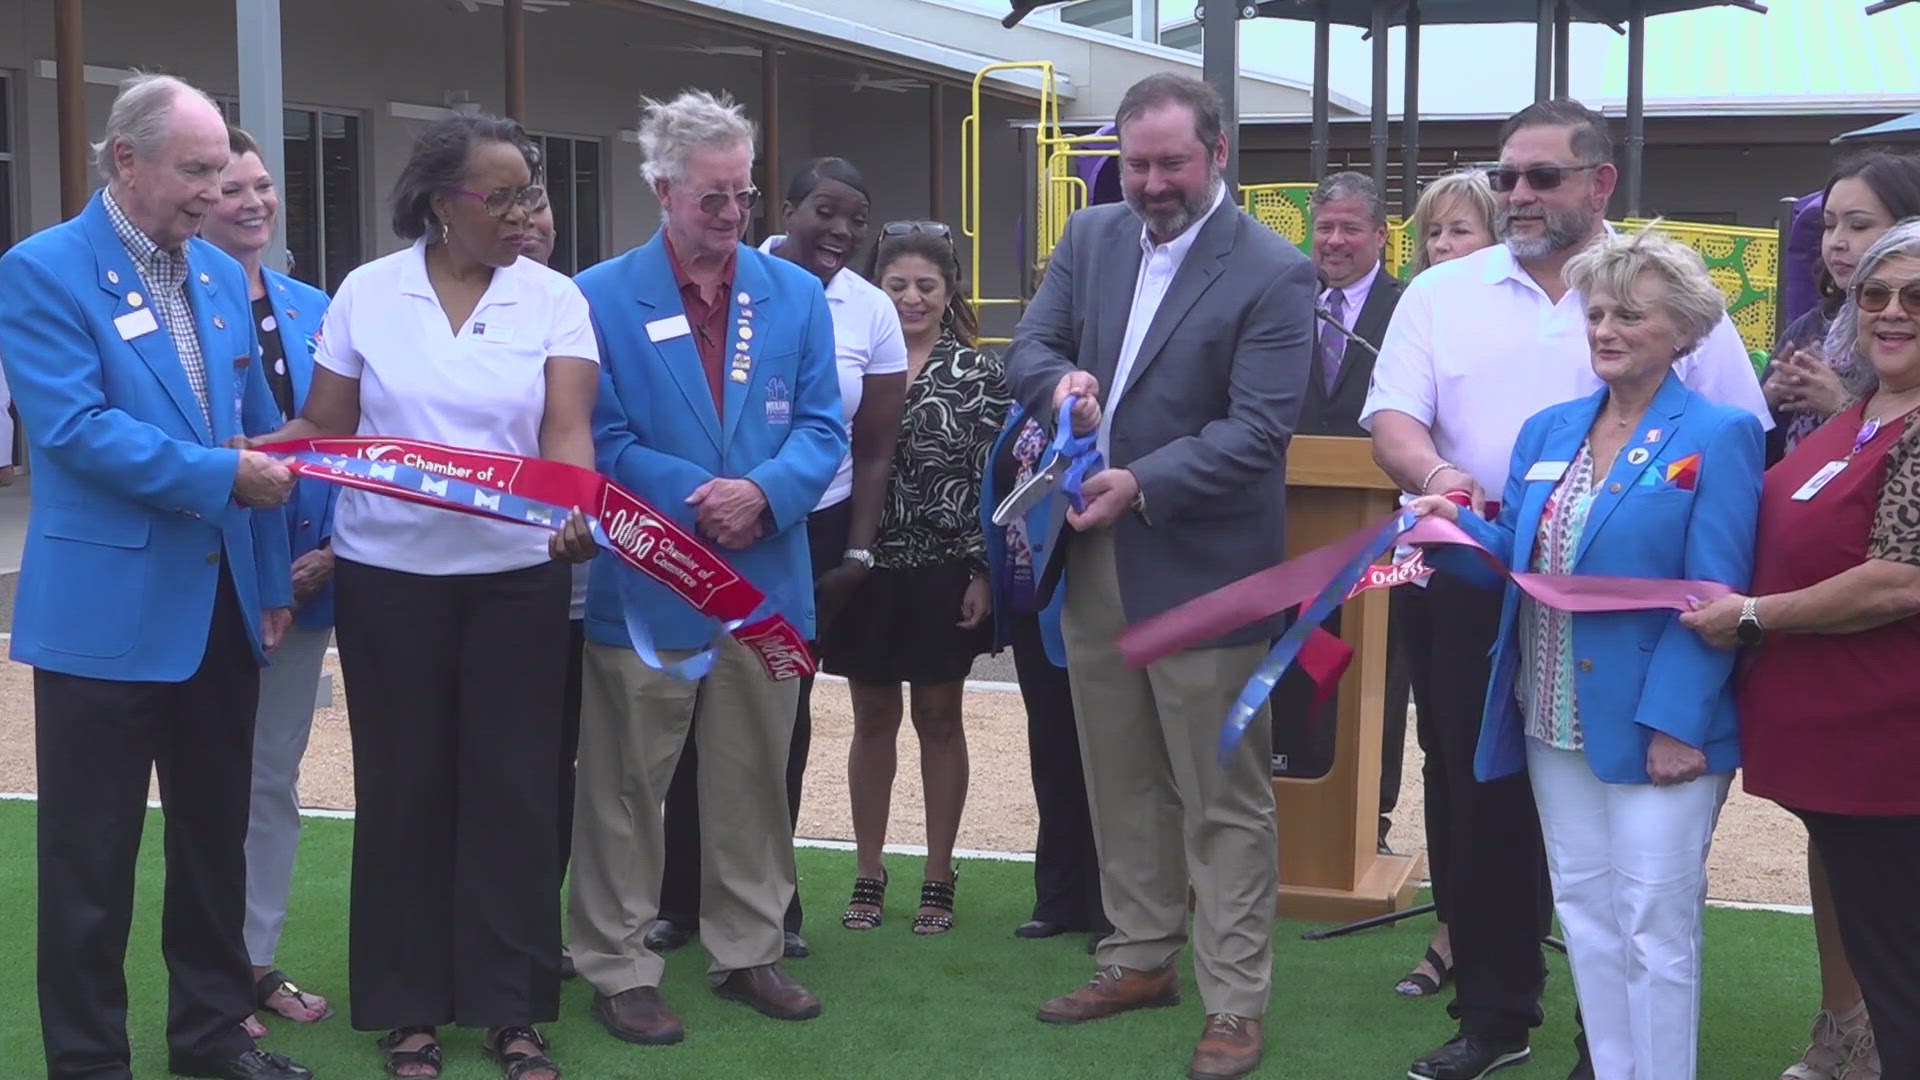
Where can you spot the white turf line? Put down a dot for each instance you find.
(959, 853)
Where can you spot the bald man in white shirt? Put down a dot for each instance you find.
(1476, 346)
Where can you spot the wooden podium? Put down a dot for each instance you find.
(1330, 868)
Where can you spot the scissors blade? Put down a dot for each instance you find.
(1029, 493)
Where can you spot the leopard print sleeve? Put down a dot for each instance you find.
(1896, 522)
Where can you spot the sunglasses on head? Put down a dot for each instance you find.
(500, 201)
(1875, 296)
(908, 228)
(715, 201)
(1539, 178)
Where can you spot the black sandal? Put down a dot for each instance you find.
(516, 1066)
(866, 890)
(428, 1055)
(939, 895)
(1418, 984)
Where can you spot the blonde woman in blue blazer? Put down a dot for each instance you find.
(1624, 721)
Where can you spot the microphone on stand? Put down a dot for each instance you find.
(1325, 315)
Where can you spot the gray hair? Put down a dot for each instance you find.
(1613, 263)
(671, 130)
(1351, 185)
(1903, 240)
(139, 116)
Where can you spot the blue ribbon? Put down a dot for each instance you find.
(1260, 685)
(493, 502)
(1079, 451)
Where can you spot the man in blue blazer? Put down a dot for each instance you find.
(719, 404)
(150, 589)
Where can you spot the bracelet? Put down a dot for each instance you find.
(1435, 471)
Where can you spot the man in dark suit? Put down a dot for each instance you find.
(1349, 239)
(1184, 329)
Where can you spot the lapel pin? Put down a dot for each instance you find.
(219, 323)
(113, 277)
(205, 280)
(134, 299)
(746, 333)
(744, 299)
(1638, 456)
(292, 314)
(738, 375)
(1653, 435)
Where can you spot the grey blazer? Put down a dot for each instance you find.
(1211, 404)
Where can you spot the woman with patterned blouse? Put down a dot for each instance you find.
(1829, 724)
(924, 613)
(1624, 721)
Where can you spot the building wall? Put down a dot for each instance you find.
(587, 69)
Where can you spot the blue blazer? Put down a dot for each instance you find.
(656, 430)
(132, 493)
(1043, 526)
(1635, 672)
(298, 309)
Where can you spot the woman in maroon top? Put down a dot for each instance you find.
(1830, 725)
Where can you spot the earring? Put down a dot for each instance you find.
(443, 230)
(946, 318)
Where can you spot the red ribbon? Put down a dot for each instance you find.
(641, 536)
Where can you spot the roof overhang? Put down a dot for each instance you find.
(833, 35)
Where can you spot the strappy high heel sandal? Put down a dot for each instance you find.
(868, 891)
(937, 895)
(423, 1061)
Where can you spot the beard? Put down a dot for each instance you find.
(1564, 230)
(1171, 221)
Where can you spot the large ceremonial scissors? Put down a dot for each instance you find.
(1070, 459)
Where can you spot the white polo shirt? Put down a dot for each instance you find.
(483, 389)
(1476, 347)
(866, 341)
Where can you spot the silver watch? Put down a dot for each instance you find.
(859, 555)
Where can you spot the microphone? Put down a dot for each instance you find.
(1325, 315)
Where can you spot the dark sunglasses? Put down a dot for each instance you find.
(908, 228)
(1539, 178)
(501, 201)
(1875, 296)
(715, 201)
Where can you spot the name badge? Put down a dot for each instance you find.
(136, 324)
(667, 329)
(493, 333)
(1548, 470)
(1819, 480)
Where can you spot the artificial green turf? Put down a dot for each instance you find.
(958, 1005)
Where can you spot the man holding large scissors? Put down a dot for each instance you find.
(1181, 329)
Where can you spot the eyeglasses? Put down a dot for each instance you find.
(500, 201)
(1539, 178)
(1875, 296)
(715, 201)
(909, 228)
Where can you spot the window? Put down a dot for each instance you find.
(572, 168)
(1187, 36)
(320, 193)
(1113, 16)
(7, 236)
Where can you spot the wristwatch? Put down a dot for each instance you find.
(859, 555)
(1749, 631)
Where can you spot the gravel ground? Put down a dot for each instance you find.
(1758, 855)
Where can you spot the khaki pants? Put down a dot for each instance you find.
(1165, 813)
(633, 723)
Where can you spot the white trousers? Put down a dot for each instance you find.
(1629, 868)
(281, 725)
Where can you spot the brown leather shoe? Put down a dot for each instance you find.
(1113, 990)
(638, 1016)
(1230, 1047)
(770, 990)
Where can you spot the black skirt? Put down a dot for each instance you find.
(903, 625)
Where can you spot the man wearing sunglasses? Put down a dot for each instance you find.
(1475, 347)
(720, 405)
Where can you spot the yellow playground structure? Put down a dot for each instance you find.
(1744, 262)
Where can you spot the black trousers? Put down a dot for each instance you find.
(1873, 866)
(1483, 840)
(96, 743)
(1066, 871)
(570, 738)
(454, 689)
(680, 884)
(1409, 676)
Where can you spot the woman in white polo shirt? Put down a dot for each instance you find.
(826, 221)
(453, 629)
